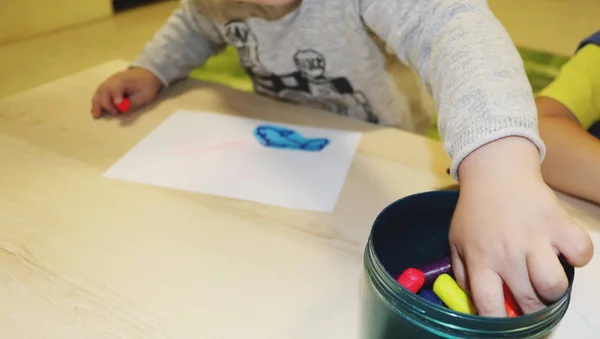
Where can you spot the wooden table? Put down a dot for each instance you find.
(82, 256)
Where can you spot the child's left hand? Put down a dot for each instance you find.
(509, 227)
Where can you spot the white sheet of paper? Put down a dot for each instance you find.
(582, 320)
(218, 155)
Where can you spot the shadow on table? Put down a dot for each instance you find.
(128, 119)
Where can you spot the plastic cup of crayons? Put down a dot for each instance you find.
(407, 287)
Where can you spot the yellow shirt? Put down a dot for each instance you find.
(578, 85)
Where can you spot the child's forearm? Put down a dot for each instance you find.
(470, 64)
(572, 164)
(186, 41)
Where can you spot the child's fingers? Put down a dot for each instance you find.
(575, 244)
(106, 102)
(96, 108)
(519, 282)
(138, 100)
(141, 98)
(458, 269)
(547, 274)
(117, 93)
(486, 291)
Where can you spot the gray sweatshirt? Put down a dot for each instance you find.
(322, 55)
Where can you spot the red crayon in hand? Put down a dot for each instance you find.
(412, 279)
(512, 308)
(124, 105)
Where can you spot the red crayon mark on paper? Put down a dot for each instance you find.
(200, 149)
(217, 147)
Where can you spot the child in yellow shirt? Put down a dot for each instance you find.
(569, 119)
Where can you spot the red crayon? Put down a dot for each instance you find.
(512, 308)
(412, 279)
(124, 105)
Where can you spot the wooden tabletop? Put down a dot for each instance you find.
(82, 256)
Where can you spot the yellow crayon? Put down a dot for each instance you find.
(452, 295)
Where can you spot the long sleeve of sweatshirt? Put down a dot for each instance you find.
(466, 58)
(187, 40)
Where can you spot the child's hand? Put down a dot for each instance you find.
(509, 227)
(140, 85)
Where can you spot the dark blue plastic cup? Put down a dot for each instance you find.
(413, 232)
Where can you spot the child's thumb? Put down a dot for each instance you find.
(117, 94)
(140, 99)
(576, 245)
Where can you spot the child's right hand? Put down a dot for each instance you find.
(509, 228)
(139, 85)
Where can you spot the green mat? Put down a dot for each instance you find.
(225, 69)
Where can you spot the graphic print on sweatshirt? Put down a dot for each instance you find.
(307, 85)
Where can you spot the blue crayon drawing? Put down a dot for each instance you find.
(280, 137)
